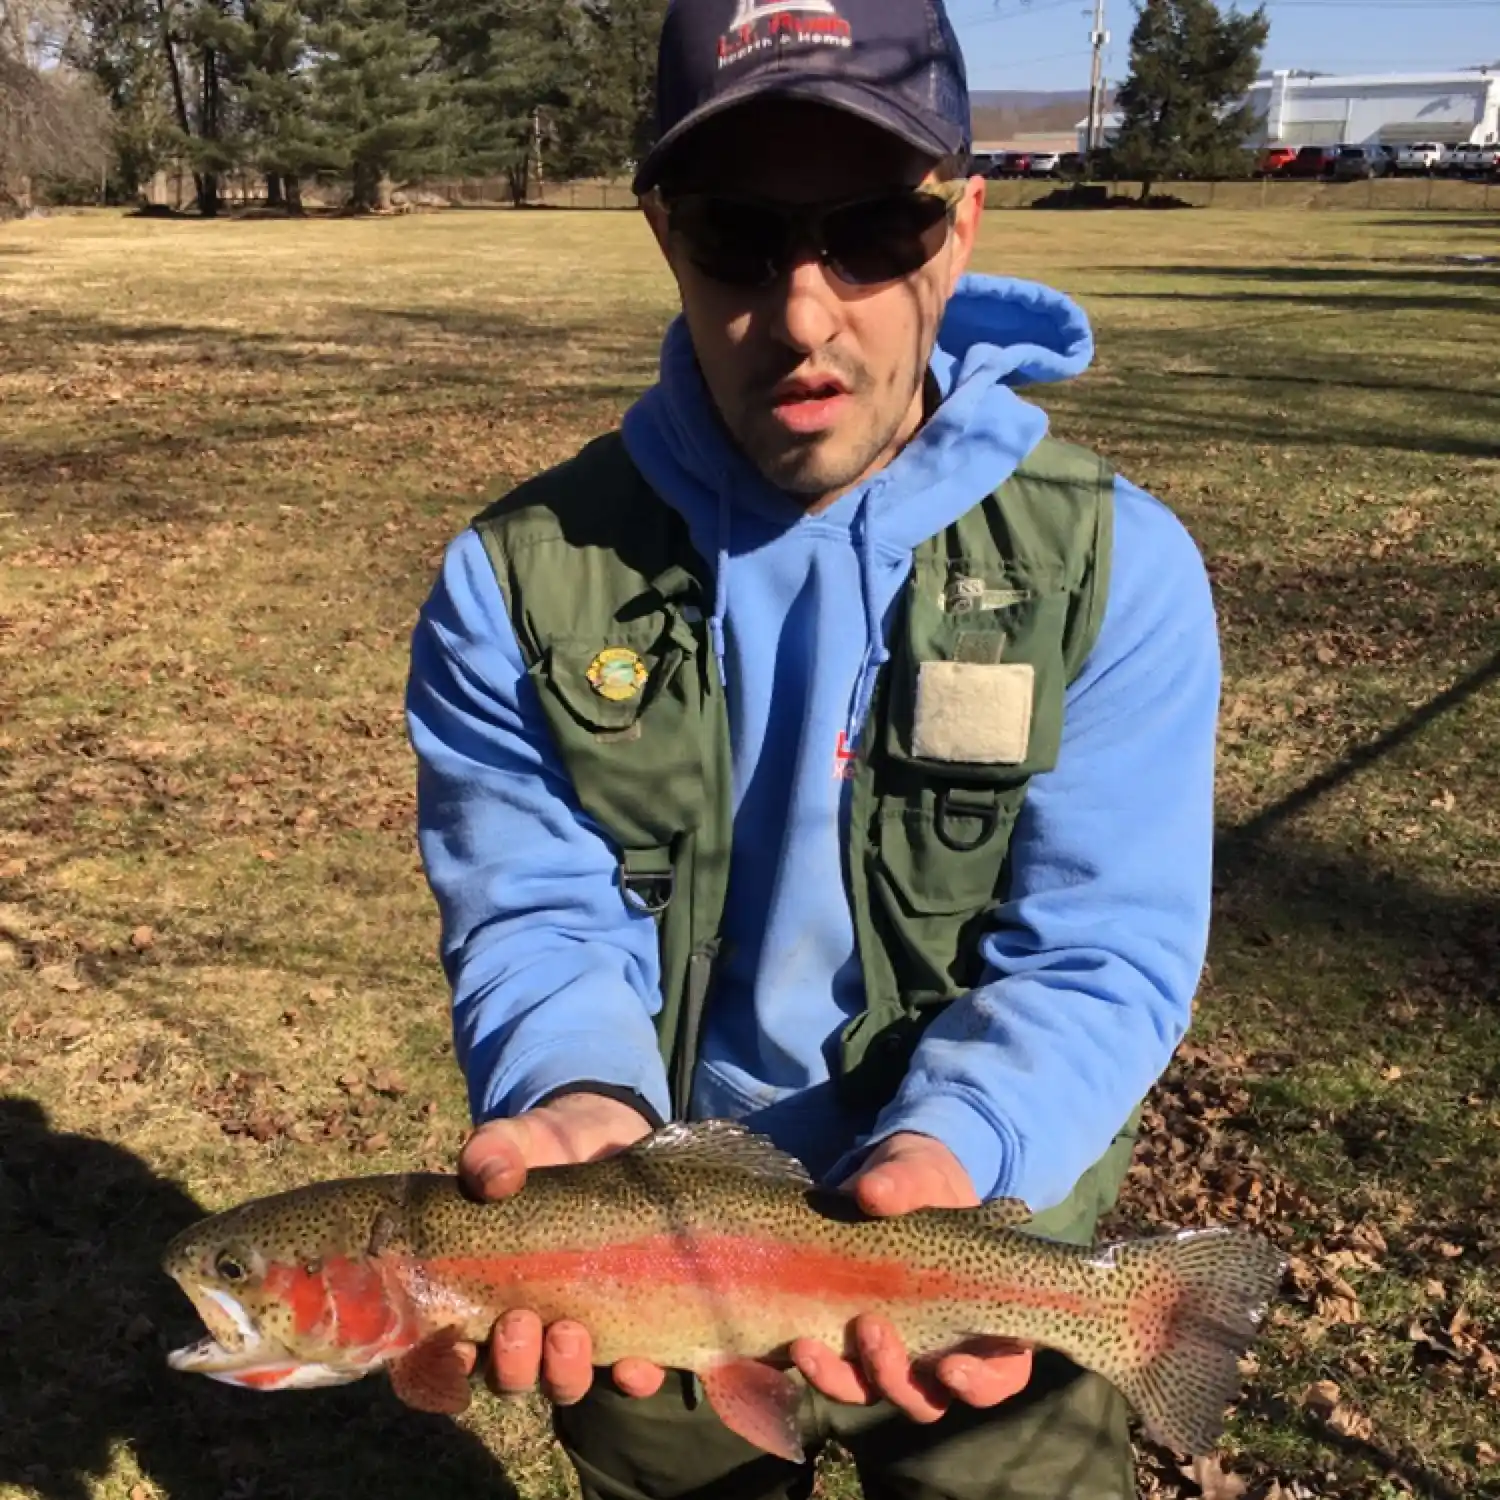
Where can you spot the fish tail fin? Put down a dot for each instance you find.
(1192, 1304)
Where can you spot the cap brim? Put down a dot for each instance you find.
(851, 97)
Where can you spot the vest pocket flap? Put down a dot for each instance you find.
(982, 702)
(605, 685)
(946, 856)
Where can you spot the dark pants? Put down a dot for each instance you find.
(1063, 1438)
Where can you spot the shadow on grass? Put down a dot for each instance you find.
(1407, 1469)
(1246, 836)
(1352, 302)
(1316, 275)
(86, 1317)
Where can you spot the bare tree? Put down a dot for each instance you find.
(52, 121)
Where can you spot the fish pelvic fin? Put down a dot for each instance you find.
(757, 1401)
(434, 1375)
(1192, 1304)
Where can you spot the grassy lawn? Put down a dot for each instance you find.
(230, 456)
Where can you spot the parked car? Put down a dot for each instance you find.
(1011, 164)
(1473, 159)
(1043, 163)
(1356, 162)
(1071, 165)
(1422, 156)
(1273, 159)
(1311, 161)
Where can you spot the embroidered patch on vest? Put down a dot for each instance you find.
(978, 713)
(617, 673)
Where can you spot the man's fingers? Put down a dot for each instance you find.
(981, 1381)
(515, 1360)
(889, 1370)
(836, 1378)
(884, 1191)
(638, 1377)
(567, 1362)
(492, 1163)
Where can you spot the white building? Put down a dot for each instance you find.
(1392, 109)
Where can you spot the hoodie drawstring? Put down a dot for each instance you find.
(877, 654)
(721, 584)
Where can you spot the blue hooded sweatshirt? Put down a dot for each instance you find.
(1090, 962)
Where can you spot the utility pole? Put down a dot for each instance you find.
(1099, 39)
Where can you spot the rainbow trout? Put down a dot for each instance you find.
(702, 1248)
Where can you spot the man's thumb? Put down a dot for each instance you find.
(492, 1163)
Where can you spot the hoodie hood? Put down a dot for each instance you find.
(997, 333)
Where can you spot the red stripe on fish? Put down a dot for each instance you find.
(268, 1378)
(361, 1297)
(746, 1265)
(345, 1302)
(302, 1290)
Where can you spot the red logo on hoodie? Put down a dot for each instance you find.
(845, 758)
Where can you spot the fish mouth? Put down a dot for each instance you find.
(206, 1355)
(232, 1341)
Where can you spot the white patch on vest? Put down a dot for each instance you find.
(978, 713)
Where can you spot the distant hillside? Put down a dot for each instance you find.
(998, 113)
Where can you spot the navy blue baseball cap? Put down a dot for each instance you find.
(895, 63)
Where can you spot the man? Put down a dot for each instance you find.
(830, 749)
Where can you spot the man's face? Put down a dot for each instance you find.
(819, 381)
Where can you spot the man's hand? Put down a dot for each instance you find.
(906, 1172)
(493, 1164)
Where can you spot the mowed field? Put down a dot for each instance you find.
(230, 457)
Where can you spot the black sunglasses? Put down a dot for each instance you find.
(750, 242)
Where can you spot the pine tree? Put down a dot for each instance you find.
(613, 118)
(1183, 104)
(515, 69)
(273, 84)
(378, 102)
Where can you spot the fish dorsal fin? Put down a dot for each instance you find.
(1002, 1213)
(725, 1144)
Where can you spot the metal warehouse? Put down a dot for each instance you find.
(1394, 109)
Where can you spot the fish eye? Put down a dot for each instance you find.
(228, 1268)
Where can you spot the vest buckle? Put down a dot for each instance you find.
(958, 802)
(648, 891)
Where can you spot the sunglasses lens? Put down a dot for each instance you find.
(886, 238)
(740, 244)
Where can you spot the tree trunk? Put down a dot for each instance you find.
(292, 187)
(274, 195)
(179, 94)
(1146, 186)
(519, 178)
(365, 187)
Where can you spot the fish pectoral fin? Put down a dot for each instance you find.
(434, 1375)
(757, 1401)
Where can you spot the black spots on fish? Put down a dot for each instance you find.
(1192, 1304)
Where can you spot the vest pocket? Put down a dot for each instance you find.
(944, 855)
(595, 681)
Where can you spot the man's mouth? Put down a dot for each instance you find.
(809, 405)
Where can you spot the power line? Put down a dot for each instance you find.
(1369, 5)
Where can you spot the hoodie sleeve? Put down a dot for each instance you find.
(555, 981)
(1096, 953)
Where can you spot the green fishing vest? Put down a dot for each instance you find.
(609, 601)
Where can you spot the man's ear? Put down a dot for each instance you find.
(966, 221)
(656, 216)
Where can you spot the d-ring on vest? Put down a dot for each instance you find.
(601, 581)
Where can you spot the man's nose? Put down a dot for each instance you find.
(806, 314)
